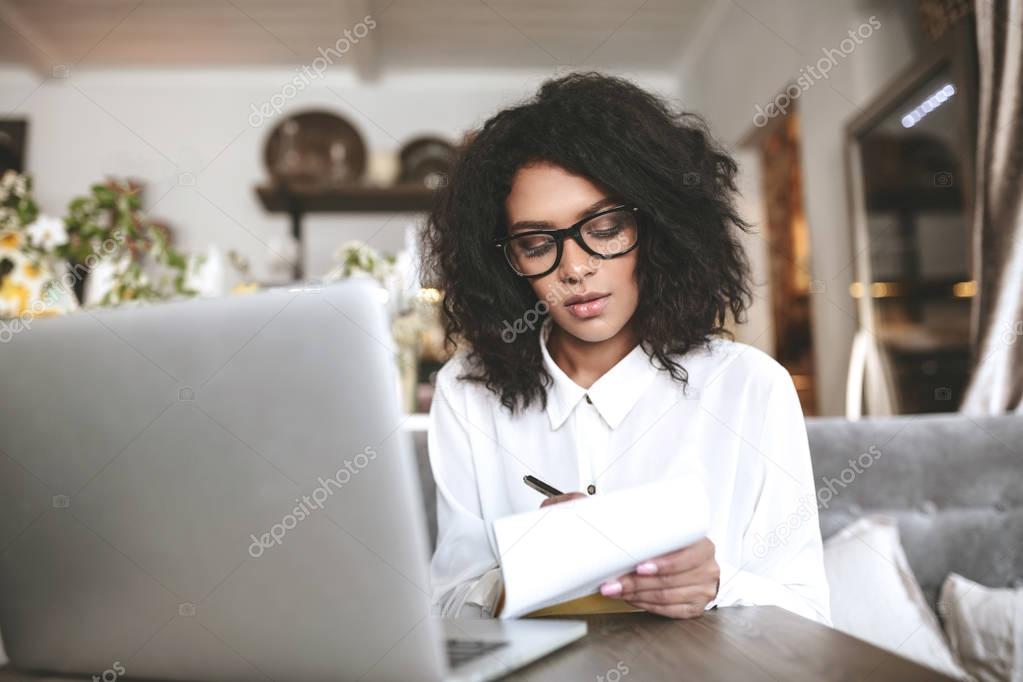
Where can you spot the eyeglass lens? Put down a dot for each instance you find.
(608, 235)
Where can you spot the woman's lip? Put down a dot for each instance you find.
(590, 308)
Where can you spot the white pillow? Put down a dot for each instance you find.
(875, 596)
(985, 627)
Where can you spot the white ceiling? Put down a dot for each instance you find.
(529, 34)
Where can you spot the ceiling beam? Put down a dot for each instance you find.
(711, 20)
(38, 52)
(365, 59)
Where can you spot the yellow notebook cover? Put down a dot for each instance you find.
(585, 606)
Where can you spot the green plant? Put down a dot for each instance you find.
(17, 207)
(109, 222)
(358, 258)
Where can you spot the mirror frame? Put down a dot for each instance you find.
(957, 52)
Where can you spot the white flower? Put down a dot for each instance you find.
(13, 183)
(47, 232)
(358, 258)
(7, 180)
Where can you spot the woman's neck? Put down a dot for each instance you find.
(584, 361)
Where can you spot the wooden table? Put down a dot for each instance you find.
(741, 644)
(729, 644)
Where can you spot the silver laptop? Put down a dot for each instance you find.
(222, 489)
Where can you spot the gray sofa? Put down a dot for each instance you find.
(953, 483)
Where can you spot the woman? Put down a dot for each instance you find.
(586, 244)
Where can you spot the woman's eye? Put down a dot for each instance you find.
(535, 251)
(606, 233)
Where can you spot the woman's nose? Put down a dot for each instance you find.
(575, 262)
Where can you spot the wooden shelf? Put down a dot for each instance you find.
(916, 199)
(354, 199)
(403, 198)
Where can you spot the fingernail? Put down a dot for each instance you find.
(611, 589)
(646, 568)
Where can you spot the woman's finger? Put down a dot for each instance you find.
(681, 560)
(558, 499)
(695, 594)
(708, 573)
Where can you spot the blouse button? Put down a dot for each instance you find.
(591, 489)
(588, 399)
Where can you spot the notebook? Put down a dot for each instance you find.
(589, 605)
(557, 557)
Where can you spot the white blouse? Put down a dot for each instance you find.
(739, 423)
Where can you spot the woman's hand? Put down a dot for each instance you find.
(679, 584)
(558, 499)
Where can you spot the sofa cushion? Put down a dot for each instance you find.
(953, 483)
(875, 597)
(984, 627)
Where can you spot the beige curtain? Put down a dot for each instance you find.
(996, 385)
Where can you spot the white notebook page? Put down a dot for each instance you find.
(567, 550)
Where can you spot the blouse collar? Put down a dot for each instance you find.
(614, 394)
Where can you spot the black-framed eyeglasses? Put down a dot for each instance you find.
(607, 234)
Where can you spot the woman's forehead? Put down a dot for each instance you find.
(545, 192)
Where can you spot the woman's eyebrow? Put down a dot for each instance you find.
(596, 206)
(547, 225)
(526, 225)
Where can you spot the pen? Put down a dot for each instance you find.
(541, 487)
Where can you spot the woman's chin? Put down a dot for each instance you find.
(591, 330)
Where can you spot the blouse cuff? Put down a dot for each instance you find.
(743, 588)
(474, 598)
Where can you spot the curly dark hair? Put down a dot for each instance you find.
(691, 269)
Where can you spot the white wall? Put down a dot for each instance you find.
(169, 126)
(757, 49)
(162, 125)
(758, 329)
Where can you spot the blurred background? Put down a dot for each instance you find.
(169, 148)
(153, 150)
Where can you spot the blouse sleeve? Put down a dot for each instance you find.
(782, 562)
(464, 573)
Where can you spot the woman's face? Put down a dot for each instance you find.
(546, 193)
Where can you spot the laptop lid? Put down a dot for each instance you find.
(213, 489)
